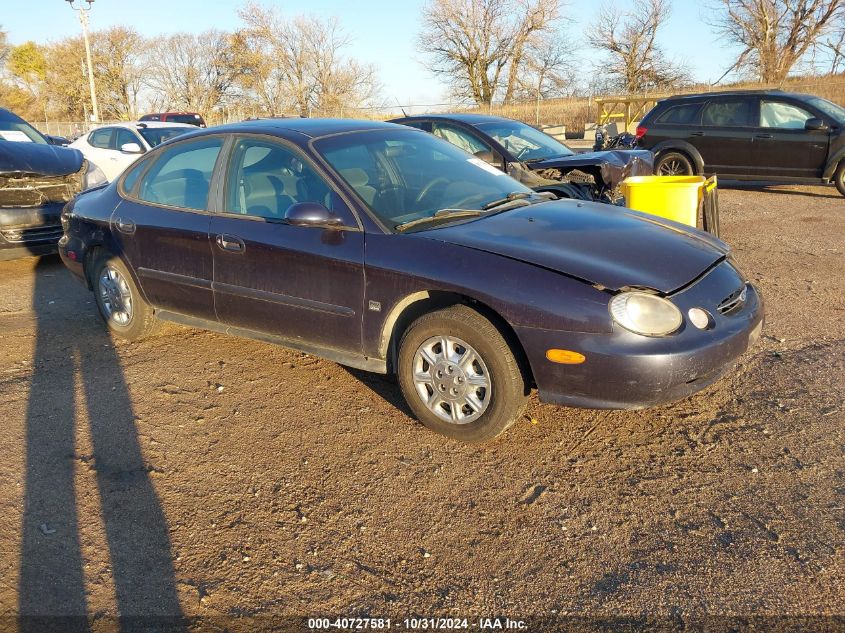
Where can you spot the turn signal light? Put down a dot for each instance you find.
(565, 357)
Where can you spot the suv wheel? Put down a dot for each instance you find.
(839, 178)
(119, 301)
(673, 164)
(459, 376)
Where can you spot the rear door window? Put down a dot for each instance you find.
(728, 113)
(181, 176)
(687, 114)
(460, 138)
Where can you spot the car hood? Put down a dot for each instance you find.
(37, 159)
(614, 165)
(602, 244)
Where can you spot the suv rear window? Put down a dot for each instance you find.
(735, 113)
(680, 115)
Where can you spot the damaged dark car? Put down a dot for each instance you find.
(536, 159)
(37, 178)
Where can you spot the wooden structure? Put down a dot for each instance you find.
(625, 110)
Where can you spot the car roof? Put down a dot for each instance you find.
(735, 93)
(312, 128)
(134, 125)
(168, 113)
(463, 117)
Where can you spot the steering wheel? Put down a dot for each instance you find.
(427, 189)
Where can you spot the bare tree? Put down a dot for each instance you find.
(836, 47)
(192, 72)
(4, 47)
(297, 64)
(636, 62)
(481, 46)
(118, 54)
(773, 35)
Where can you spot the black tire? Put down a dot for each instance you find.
(141, 321)
(507, 384)
(839, 178)
(673, 164)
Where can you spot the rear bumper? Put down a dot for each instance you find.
(28, 231)
(72, 255)
(626, 371)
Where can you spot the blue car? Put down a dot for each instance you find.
(381, 247)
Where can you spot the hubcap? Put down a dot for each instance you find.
(452, 379)
(115, 296)
(673, 167)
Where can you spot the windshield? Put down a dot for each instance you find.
(20, 131)
(156, 135)
(832, 110)
(406, 175)
(523, 141)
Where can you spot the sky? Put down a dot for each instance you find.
(384, 32)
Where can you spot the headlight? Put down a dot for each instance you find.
(94, 177)
(645, 314)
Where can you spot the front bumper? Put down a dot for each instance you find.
(623, 370)
(28, 231)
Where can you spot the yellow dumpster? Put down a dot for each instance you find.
(676, 198)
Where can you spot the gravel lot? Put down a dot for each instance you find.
(202, 475)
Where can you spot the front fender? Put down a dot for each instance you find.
(832, 163)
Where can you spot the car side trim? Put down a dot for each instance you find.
(182, 280)
(273, 297)
(358, 361)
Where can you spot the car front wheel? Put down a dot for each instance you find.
(119, 301)
(673, 164)
(460, 376)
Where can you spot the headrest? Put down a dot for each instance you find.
(355, 176)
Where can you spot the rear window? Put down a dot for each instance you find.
(735, 113)
(193, 119)
(680, 115)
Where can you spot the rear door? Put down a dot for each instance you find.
(725, 137)
(304, 284)
(162, 226)
(783, 147)
(100, 142)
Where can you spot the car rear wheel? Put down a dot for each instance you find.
(839, 178)
(673, 164)
(119, 301)
(459, 375)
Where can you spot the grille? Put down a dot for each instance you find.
(26, 236)
(733, 302)
(28, 190)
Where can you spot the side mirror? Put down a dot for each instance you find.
(815, 124)
(131, 148)
(311, 214)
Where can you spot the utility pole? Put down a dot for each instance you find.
(83, 20)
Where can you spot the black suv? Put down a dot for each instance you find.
(748, 135)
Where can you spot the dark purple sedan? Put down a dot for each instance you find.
(384, 248)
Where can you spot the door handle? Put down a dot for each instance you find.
(124, 226)
(697, 134)
(763, 136)
(231, 243)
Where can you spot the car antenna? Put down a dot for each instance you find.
(400, 107)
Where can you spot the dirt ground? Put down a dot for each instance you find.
(200, 475)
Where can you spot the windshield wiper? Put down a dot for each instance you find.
(514, 195)
(442, 214)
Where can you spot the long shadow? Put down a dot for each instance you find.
(771, 187)
(73, 348)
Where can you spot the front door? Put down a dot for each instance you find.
(304, 284)
(783, 147)
(162, 227)
(725, 138)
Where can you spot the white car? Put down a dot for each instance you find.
(114, 147)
